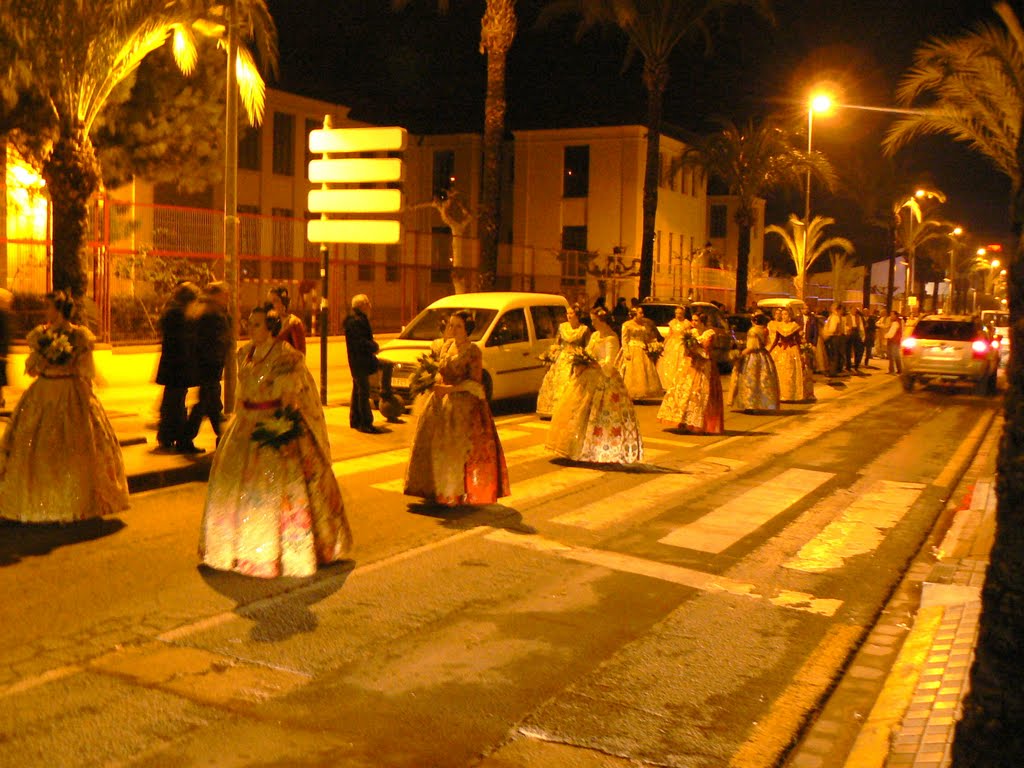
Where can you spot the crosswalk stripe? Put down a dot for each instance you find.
(707, 582)
(722, 527)
(859, 530)
(372, 462)
(651, 495)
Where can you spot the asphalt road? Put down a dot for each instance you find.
(691, 612)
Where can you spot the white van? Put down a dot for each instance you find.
(795, 306)
(512, 330)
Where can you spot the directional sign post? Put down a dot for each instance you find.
(353, 198)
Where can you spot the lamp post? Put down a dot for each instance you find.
(955, 244)
(819, 103)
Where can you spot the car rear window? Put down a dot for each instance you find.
(659, 313)
(951, 330)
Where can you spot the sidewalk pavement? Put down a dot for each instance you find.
(900, 698)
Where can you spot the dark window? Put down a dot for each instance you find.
(546, 320)
(574, 238)
(510, 329)
(576, 172)
(949, 330)
(311, 125)
(427, 325)
(444, 173)
(249, 241)
(281, 264)
(719, 220)
(284, 144)
(249, 148)
(365, 272)
(441, 255)
(574, 257)
(392, 263)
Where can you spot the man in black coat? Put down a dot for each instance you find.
(362, 362)
(214, 342)
(176, 371)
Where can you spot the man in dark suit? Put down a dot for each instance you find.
(214, 343)
(176, 371)
(362, 362)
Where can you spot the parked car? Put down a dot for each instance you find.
(956, 348)
(795, 306)
(512, 330)
(999, 321)
(663, 310)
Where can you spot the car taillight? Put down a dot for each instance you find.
(996, 342)
(980, 348)
(908, 345)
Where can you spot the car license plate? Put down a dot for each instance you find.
(941, 352)
(402, 382)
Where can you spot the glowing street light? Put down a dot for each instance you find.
(819, 102)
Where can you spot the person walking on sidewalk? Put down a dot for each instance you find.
(893, 337)
(176, 371)
(362, 362)
(214, 342)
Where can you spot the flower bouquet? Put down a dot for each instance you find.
(424, 377)
(583, 359)
(691, 343)
(54, 345)
(807, 351)
(654, 350)
(550, 355)
(282, 428)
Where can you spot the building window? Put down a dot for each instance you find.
(311, 125)
(249, 241)
(441, 255)
(365, 271)
(281, 264)
(719, 221)
(574, 257)
(444, 173)
(576, 172)
(392, 263)
(284, 144)
(249, 149)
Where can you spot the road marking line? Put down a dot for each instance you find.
(860, 529)
(511, 434)
(371, 462)
(773, 734)
(544, 425)
(525, 491)
(652, 495)
(687, 577)
(722, 527)
(968, 447)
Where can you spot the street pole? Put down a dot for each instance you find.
(324, 316)
(231, 198)
(807, 196)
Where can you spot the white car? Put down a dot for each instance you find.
(999, 321)
(512, 330)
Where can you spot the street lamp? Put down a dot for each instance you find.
(957, 231)
(820, 102)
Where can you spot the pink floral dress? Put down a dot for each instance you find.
(695, 401)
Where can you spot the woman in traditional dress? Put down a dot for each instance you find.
(594, 420)
(273, 506)
(755, 382)
(638, 371)
(59, 457)
(694, 403)
(773, 324)
(292, 329)
(456, 454)
(673, 354)
(572, 339)
(796, 382)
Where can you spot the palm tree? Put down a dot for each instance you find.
(654, 28)
(973, 87)
(805, 250)
(69, 55)
(497, 31)
(751, 163)
(915, 229)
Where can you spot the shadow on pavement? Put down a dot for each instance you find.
(463, 518)
(628, 469)
(20, 540)
(279, 607)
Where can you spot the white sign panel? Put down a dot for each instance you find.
(377, 231)
(354, 200)
(328, 140)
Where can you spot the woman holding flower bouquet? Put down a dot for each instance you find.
(694, 403)
(796, 382)
(273, 506)
(594, 420)
(638, 371)
(755, 382)
(572, 339)
(456, 454)
(59, 457)
(673, 355)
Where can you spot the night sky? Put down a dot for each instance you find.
(424, 71)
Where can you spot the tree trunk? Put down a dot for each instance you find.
(742, 265)
(497, 30)
(866, 286)
(459, 267)
(990, 735)
(891, 287)
(72, 177)
(798, 285)
(655, 79)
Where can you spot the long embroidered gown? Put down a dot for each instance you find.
(595, 421)
(673, 354)
(755, 382)
(695, 400)
(273, 511)
(59, 457)
(570, 341)
(456, 454)
(796, 382)
(637, 369)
